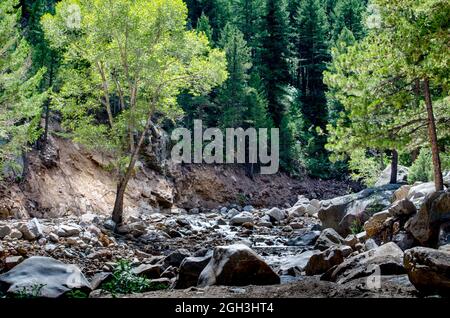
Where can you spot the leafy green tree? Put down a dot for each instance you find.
(20, 99)
(125, 61)
(348, 14)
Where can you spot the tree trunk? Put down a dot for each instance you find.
(47, 106)
(117, 214)
(438, 180)
(394, 167)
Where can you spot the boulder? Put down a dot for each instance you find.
(237, 265)
(241, 218)
(32, 230)
(428, 269)
(276, 215)
(306, 239)
(176, 257)
(190, 270)
(401, 193)
(321, 262)
(370, 244)
(52, 278)
(12, 261)
(385, 177)
(434, 212)
(4, 231)
(386, 259)
(328, 238)
(68, 230)
(376, 223)
(295, 265)
(341, 213)
(404, 240)
(419, 191)
(401, 208)
(148, 271)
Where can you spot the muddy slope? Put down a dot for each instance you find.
(73, 181)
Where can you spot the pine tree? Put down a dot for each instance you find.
(239, 63)
(275, 57)
(20, 100)
(204, 26)
(348, 14)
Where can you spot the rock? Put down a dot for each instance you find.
(31, 230)
(241, 218)
(297, 225)
(376, 223)
(321, 262)
(170, 272)
(99, 279)
(444, 234)
(401, 193)
(176, 258)
(237, 265)
(386, 260)
(194, 211)
(306, 239)
(341, 213)
(428, 269)
(135, 229)
(370, 244)
(295, 265)
(68, 230)
(12, 261)
(404, 240)
(50, 248)
(15, 234)
(109, 225)
(418, 192)
(190, 270)
(276, 215)
(445, 248)
(385, 177)
(434, 212)
(53, 237)
(362, 237)
(102, 254)
(351, 240)
(328, 238)
(149, 271)
(55, 277)
(401, 208)
(248, 208)
(4, 231)
(89, 218)
(232, 212)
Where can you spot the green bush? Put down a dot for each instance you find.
(422, 168)
(124, 281)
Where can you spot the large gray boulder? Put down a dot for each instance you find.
(237, 265)
(241, 218)
(341, 213)
(31, 230)
(328, 238)
(428, 269)
(190, 270)
(45, 276)
(434, 212)
(385, 177)
(321, 262)
(386, 260)
(294, 265)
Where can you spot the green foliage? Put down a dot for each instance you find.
(364, 168)
(125, 61)
(20, 99)
(78, 294)
(356, 227)
(33, 291)
(124, 281)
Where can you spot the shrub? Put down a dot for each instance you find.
(422, 168)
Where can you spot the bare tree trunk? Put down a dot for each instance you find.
(117, 214)
(394, 167)
(47, 106)
(438, 180)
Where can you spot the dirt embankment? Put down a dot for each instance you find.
(73, 181)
